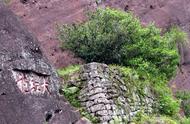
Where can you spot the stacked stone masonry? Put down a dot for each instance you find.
(103, 94)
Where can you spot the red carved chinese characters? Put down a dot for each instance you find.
(32, 83)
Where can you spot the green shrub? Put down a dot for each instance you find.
(111, 36)
(135, 79)
(186, 107)
(184, 121)
(184, 96)
(65, 72)
(142, 118)
(71, 93)
(167, 105)
(115, 37)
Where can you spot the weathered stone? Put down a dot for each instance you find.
(102, 100)
(89, 104)
(104, 94)
(97, 107)
(104, 112)
(97, 96)
(29, 85)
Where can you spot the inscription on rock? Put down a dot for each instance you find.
(31, 83)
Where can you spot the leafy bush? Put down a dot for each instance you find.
(111, 36)
(65, 72)
(135, 79)
(115, 37)
(184, 96)
(142, 118)
(184, 121)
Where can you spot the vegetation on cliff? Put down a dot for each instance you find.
(115, 37)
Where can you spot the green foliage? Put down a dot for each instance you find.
(184, 121)
(186, 108)
(135, 79)
(184, 96)
(93, 119)
(175, 36)
(71, 94)
(111, 36)
(132, 79)
(65, 72)
(167, 104)
(115, 37)
(119, 120)
(142, 118)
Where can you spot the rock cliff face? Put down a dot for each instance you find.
(28, 84)
(42, 15)
(105, 94)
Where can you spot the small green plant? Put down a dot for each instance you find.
(135, 79)
(71, 94)
(167, 104)
(93, 119)
(184, 97)
(184, 121)
(142, 118)
(65, 72)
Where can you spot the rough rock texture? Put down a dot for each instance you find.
(105, 95)
(28, 84)
(42, 18)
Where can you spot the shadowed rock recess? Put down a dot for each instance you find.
(105, 94)
(28, 84)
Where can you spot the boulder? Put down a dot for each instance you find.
(29, 85)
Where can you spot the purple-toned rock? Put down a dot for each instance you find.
(29, 85)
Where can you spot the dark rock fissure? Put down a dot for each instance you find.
(24, 1)
(3, 94)
(57, 111)
(49, 115)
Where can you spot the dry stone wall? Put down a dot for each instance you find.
(104, 94)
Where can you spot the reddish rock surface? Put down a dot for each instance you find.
(41, 17)
(29, 85)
